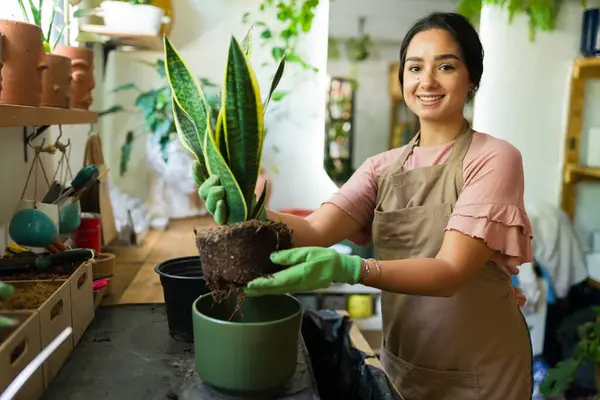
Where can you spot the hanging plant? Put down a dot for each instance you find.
(542, 13)
(294, 19)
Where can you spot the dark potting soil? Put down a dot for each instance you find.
(57, 272)
(233, 255)
(127, 353)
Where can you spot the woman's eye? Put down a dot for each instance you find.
(446, 67)
(413, 68)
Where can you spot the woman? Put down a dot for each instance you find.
(447, 220)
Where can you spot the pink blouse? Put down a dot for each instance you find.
(490, 205)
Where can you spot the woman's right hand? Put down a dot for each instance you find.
(213, 195)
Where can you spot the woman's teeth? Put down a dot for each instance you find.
(430, 98)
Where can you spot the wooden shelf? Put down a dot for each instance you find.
(11, 115)
(586, 68)
(138, 41)
(575, 172)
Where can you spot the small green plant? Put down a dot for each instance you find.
(36, 19)
(238, 251)
(587, 350)
(294, 19)
(142, 2)
(542, 13)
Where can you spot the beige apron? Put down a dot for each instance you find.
(473, 345)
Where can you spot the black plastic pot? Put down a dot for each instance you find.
(182, 281)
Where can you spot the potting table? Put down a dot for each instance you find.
(127, 353)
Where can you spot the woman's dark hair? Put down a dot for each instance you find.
(463, 32)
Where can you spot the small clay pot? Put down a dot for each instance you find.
(23, 62)
(56, 82)
(82, 74)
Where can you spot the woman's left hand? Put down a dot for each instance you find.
(309, 268)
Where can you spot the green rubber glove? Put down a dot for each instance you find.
(309, 268)
(6, 291)
(213, 195)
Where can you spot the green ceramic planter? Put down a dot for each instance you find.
(253, 354)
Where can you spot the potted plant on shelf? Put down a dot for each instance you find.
(129, 16)
(23, 63)
(56, 78)
(238, 251)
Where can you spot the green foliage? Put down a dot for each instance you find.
(542, 13)
(230, 145)
(157, 110)
(294, 19)
(36, 19)
(586, 350)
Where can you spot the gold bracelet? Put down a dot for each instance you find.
(364, 275)
(378, 268)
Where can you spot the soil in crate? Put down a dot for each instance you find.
(29, 295)
(58, 272)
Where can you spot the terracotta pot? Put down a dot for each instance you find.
(82, 74)
(24, 60)
(56, 82)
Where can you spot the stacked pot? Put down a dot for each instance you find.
(29, 76)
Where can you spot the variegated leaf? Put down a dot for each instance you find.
(234, 198)
(243, 121)
(276, 80)
(186, 89)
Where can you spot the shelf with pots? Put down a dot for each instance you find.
(139, 24)
(43, 84)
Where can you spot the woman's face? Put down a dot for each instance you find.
(436, 81)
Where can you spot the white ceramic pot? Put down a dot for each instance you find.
(123, 17)
(51, 210)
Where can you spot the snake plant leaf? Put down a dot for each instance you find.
(220, 137)
(247, 42)
(186, 89)
(276, 80)
(259, 207)
(234, 197)
(189, 137)
(243, 120)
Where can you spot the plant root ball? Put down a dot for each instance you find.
(233, 255)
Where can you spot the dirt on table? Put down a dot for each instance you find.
(29, 295)
(58, 272)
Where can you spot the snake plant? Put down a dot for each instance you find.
(232, 150)
(36, 19)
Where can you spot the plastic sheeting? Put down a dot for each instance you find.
(340, 369)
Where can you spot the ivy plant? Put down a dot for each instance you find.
(542, 14)
(294, 19)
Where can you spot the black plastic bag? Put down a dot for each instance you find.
(339, 368)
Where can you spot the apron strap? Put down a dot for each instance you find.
(462, 144)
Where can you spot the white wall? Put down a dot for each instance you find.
(524, 99)
(296, 127)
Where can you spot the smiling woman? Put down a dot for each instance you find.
(447, 220)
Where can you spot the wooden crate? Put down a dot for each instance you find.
(82, 300)
(55, 314)
(18, 347)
